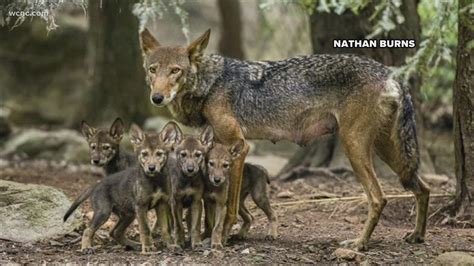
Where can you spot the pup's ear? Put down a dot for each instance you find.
(207, 137)
(148, 42)
(87, 130)
(117, 129)
(237, 148)
(196, 49)
(136, 135)
(171, 134)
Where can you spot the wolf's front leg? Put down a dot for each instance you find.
(164, 218)
(196, 211)
(217, 231)
(234, 191)
(145, 234)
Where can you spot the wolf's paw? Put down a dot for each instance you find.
(217, 246)
(239, 236)
(146, 250)
(355, 244)
(271, 237)
(414, 237)
(88, 251)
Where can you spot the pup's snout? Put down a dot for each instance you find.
(157, 98)
(217, 179)
(95, 161)
(152, 168)
(190, 169)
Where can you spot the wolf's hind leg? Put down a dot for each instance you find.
(99, 218)
(389, 149)
(118, 234)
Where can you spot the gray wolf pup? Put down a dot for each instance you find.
(104, 147)
(134, 191)
(188, 186)
(297, 99)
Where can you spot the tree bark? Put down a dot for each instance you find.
(463, 106)
(326, 27)
(117, 84)
(230, 43)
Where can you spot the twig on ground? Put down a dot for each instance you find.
(330, 200)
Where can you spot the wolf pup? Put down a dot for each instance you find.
(132, 192)
(188, 184)
(298, 99)
(255, 183)
(104, 147)
(219, 162)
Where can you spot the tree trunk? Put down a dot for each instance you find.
(117, 83)
(463, 106)
(325, 27)
(230, 43)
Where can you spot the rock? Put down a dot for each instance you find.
(33, 212)
(285, 194)
(58, 145)
(454, 258)
(437, 179)
(245, 251)
(158, 122)
(349, 254)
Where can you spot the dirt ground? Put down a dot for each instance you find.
(312, 221)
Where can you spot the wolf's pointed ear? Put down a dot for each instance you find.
(196, 48)
(87, 130)
(207, 137)
(171, 134)
(148, 42)
(117, 129)
(136, 135)
(237, 148)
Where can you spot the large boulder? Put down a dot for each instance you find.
(33, 212)
(57, 145)
(454, 258)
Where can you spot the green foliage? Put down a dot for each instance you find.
(147, 10)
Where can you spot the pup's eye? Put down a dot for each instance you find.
(211, 163)
(198, 154)
(183, 154)
(226, 165)
(144, 153)
(152, 69)
(159, 153)
(175, 70)
(93, 146)
(106, 147)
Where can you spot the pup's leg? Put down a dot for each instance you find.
(164, 217)
(209, 217)
(145, 233)
(195, 229)
(216, 239)
(155, 231)
(100, 217)
(246, 217)
(261, 199)
(118, 234)
(178, 227)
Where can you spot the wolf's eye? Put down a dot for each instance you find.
(106, 147)
(144, 153)
(175, 70)
(183, 154)
(211, 163)
(198, 154)
(152, 69)
(93, 146)
(226, 165)
(159, 153)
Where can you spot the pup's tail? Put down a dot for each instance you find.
(407, 140)
(86, 194)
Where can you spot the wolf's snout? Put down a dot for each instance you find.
(152, 168)
(157, 98)
(217, 179)
(95, 161)
(190, 169)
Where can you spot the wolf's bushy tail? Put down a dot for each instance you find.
(408, 143)
(86, 194)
